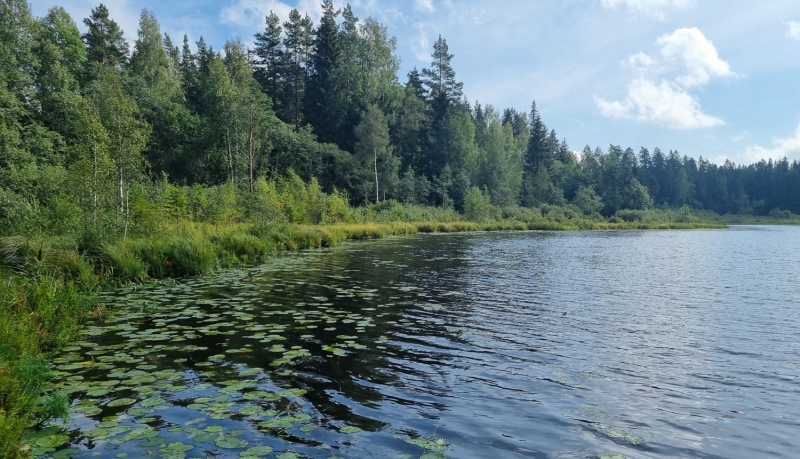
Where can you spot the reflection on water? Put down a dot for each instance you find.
(529, 345)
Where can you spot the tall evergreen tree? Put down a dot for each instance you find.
(320, 105)
(443, 89)
(297, 43)
(537, 155)
(269, 59)
(105, 42)
(190, 79)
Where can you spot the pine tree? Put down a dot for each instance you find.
(443, 89)
(297, 44)
(269, 59)
(105, 42)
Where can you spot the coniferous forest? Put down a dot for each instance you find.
(98, 132)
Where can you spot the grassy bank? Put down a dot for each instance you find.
(48, 284)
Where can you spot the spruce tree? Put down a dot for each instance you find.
(320, 105)
(269, 54)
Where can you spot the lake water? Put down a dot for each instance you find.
(501, 345)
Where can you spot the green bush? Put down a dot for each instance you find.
(477, 205)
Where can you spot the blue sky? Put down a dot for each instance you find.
(712, 78)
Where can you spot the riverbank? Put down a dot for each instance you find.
(48, 288)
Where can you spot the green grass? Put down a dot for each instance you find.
(39, 314)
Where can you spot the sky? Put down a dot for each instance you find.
(713, 78)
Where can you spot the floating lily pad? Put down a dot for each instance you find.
(436, 445)
(256, 451)
(52, 441)
(66, 453)
(230, 443)
(151, 402)
(153, 441)
(121, 402)
(351, 429)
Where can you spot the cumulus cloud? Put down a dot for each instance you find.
(424, 5)
(696, 54)
(794, 30)
(655, 8)
(662, 103)
(659, 92)
(788, 147)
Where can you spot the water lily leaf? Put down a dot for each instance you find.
(97, 393)
(437, 445)
(176, 447)
(230, 443)
(150, 442)
(52, 441)
(66, 453)
(350, 429)
(151, 402)
(121, 402)
(39, 451)
(256, 451)
(205, 437)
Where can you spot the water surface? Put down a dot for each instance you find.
(515, 345)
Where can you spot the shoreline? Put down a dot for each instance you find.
(49, 288)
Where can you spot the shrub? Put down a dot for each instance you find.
(477, 205)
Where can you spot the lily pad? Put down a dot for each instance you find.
(52, 441)
(256, 451)
(230, 443)
(66, 453)
(121, 402)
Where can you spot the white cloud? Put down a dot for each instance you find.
(655, 8)
(794, 30)
(788, 147)
(658, 93)
(663, 103)
(424, 5)
(698, 56)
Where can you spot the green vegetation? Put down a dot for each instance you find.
(119, 165)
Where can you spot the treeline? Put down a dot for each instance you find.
(92, 127)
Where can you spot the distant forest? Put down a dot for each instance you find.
(89, 123)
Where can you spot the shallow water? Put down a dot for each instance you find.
(514, 345)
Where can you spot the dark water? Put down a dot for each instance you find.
(521, 345)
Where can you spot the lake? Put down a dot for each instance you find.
(640, 344)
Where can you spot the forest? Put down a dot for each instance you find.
(100, 134)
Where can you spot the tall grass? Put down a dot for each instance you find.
(39, 313)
